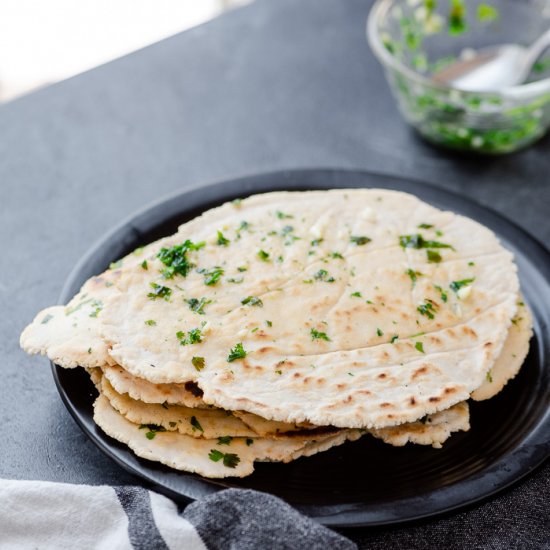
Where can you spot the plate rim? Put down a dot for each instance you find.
(353, 517)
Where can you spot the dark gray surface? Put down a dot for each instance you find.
(279, 84)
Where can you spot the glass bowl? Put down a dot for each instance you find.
(416, 39)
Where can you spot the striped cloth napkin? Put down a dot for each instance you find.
(45, 515)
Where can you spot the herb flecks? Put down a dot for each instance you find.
(238, 352)
(413, 275)
(433, 256)
(429, 308)
(198, 363)
(442, 293)
(359, 240)
(317, 335)
(417, 241)
(221, 240)
(455, 286)
(196, 424)
(419, 346)
(225, 440)
(323, 275)
(46, 319)
(263, 255)
(230, 460)
(211, 276)
(175, 258)
(356, 294)
(194, 336)
(197, 305)
(252, 301)
(159, 291)
(153, 429)
(150, 322)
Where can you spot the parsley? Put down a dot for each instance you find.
(252, 301)
(198, 305)
(394, 338)
(316, 335)
(263, 255)
(442, 293)
(457, 285)
(225, 440)
(359, 240)
(237, 202)
(316, 242)
(235, 281)
(379, 332)
(159, 291)
(237, 352)
(89, 350)
(425, 226)
(249, 441)
(269, 323)
(428, 309)
(150, 322)
(322, 275)
(489, 376)
(242, 268)
(471, 263)
(356, 294)
(194, 336)
(198, 363)
(230, 460)
(115, 265)
(213, 276)
(98, 306)
(418, 241)
(457, 17)
(175, 258)
(337, 256)
(282, 215)
(196, 424)
(413, 275)
(222, 241)
(486, 12)
(47, 318)
(144, 264)
(279, 372)
(153, 430)
(433, 256)
(419, 346)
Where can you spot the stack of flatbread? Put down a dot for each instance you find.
(284, 324)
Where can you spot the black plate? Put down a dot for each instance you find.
(366, 482)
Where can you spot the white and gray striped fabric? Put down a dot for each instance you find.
(45, 515)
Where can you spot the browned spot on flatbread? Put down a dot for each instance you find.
(193, 388)
(386, 405)
(434, 399)
(412, 401)
(420, 371)
(450, 390)
(382, 375)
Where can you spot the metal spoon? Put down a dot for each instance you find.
(493, 68)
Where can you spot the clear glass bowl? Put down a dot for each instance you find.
(415, 39)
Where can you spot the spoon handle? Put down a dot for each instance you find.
(534, 51)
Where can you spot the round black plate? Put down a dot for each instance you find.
(366, 482)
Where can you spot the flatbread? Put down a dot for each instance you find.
(203, 423)
(361, 375)
(512, 356)
(70, 335)
(147, 392)
(433, 430)
(191, 454)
